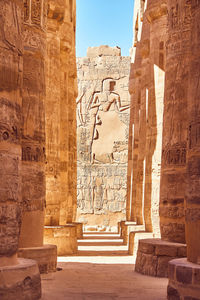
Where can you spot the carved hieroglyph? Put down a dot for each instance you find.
(102, 128)
(173, 175)
(60, 119)
(11, 62)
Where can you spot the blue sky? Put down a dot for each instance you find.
(104, 22)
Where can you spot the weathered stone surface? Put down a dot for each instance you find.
(159, 251)
(104, 50)
(33, 127)
(173, 173)
(11, 62)
(102, 128)
(183, 282)
(193, 156)
(64, 237)
(146, 264)
(21, 281)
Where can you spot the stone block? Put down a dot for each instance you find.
(162, 269)
(146, 247)
(146, 264)
(64, 237)
(171, 271)
(166, 250)
(182, 251)
(187, 280)
(172, 293)
(184, 274)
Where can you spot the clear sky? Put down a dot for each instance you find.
(104, 22)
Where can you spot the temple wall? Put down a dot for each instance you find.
(102, 133)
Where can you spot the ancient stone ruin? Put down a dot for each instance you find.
(102, 137)
(103, 142)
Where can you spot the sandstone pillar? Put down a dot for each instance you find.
(68, 94)
(60, 122)
(184, 280)
(193, 155)
(19, 278)
(33, 134)
(138, 86)
(173, 173)
(157, 17)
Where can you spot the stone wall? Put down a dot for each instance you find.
(102, 129)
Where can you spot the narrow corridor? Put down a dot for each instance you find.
(101, 270)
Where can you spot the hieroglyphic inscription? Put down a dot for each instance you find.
(26, 10)
(33, 154)
(175, 156)
(36, 7)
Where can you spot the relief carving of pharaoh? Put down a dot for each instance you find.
(106, 128)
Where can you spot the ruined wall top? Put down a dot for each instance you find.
(103, 50)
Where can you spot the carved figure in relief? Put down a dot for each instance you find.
(101, 102)
(79, 109)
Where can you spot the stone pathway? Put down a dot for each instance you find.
(102, 270)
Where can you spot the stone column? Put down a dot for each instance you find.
(141, 89)
(157, 18)
(184, 274)
(134, 88)
(60, 122)
(68, 94)
(18, 277)
(33, 137)
(193, 155)
(52, 117)
(173, 174)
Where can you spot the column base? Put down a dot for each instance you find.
(64, 237)
(79, 228)
(46, 257)
(184, 280)
(127, 227)
(21, 281)
(154, 254)
(133, 241)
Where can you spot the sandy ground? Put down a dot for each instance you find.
(101, 270)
